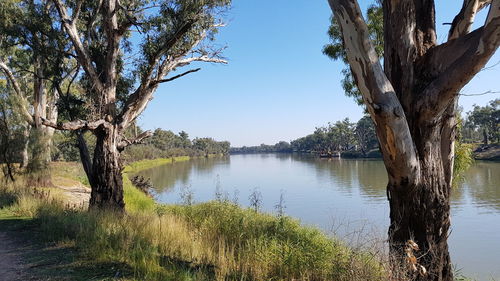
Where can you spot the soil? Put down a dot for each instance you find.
(11, 266)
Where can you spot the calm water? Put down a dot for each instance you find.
(343, 196)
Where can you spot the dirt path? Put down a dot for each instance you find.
(75, 193)
(11, 266)
(77, 196)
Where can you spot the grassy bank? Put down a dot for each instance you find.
(136, 200)
(208, 241)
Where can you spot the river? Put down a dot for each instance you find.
(344, 197)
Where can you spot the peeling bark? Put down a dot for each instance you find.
(412, 102)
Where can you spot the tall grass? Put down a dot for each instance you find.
(217, 240)
(209, 241)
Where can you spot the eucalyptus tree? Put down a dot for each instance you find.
(32, 61)
(341, 135)
(171, 34)
(487, 120)
(365, 134)
(335, 49)
(11, 132)
(412, 101)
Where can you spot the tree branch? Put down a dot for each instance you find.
(143, 94)
(83, 56)
(378, 94)
(85, 157)
(17, 89)
(155, 82)
(480, 94)
(465, 57)
(75, 125)
(139, 139)
(76, 13)
(463, 21)
(204, 58)
(131, 19)
(112, 49)
(155, 58)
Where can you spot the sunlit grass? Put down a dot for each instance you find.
(147, 164)
(209, 241)
(217, 240)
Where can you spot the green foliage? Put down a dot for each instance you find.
(12, 137)
(166, 144)
(463, 160)
(64, 146)
(280, 147)
(352, 139)
(340, 136)
(482, 124)
(365, 134)
(335, 49)
(463, 153)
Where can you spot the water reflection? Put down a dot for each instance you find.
(481, 182)
(369, 176)
(166, 177)
(319, 191)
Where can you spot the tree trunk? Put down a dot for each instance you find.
(412, 101)
(38, 167)
(421, 212)
(106, 181)
(41, 137)
(24, 151)
(485, 137)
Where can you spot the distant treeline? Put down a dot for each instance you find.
(349, 139)
(482, 124)
(162, 144)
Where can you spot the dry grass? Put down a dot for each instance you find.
(210, 241)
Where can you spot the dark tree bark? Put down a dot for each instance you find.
(107, 186)
(412, 101)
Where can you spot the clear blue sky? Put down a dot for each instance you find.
(278, 85)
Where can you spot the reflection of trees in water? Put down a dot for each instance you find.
(482, 181)
(168, 176)
(338, 170)
(372, 177)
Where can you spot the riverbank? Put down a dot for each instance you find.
(489, 152)
(218, 240)
(372, 154)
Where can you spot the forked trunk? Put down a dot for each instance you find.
(106, 182)
(412, 101)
